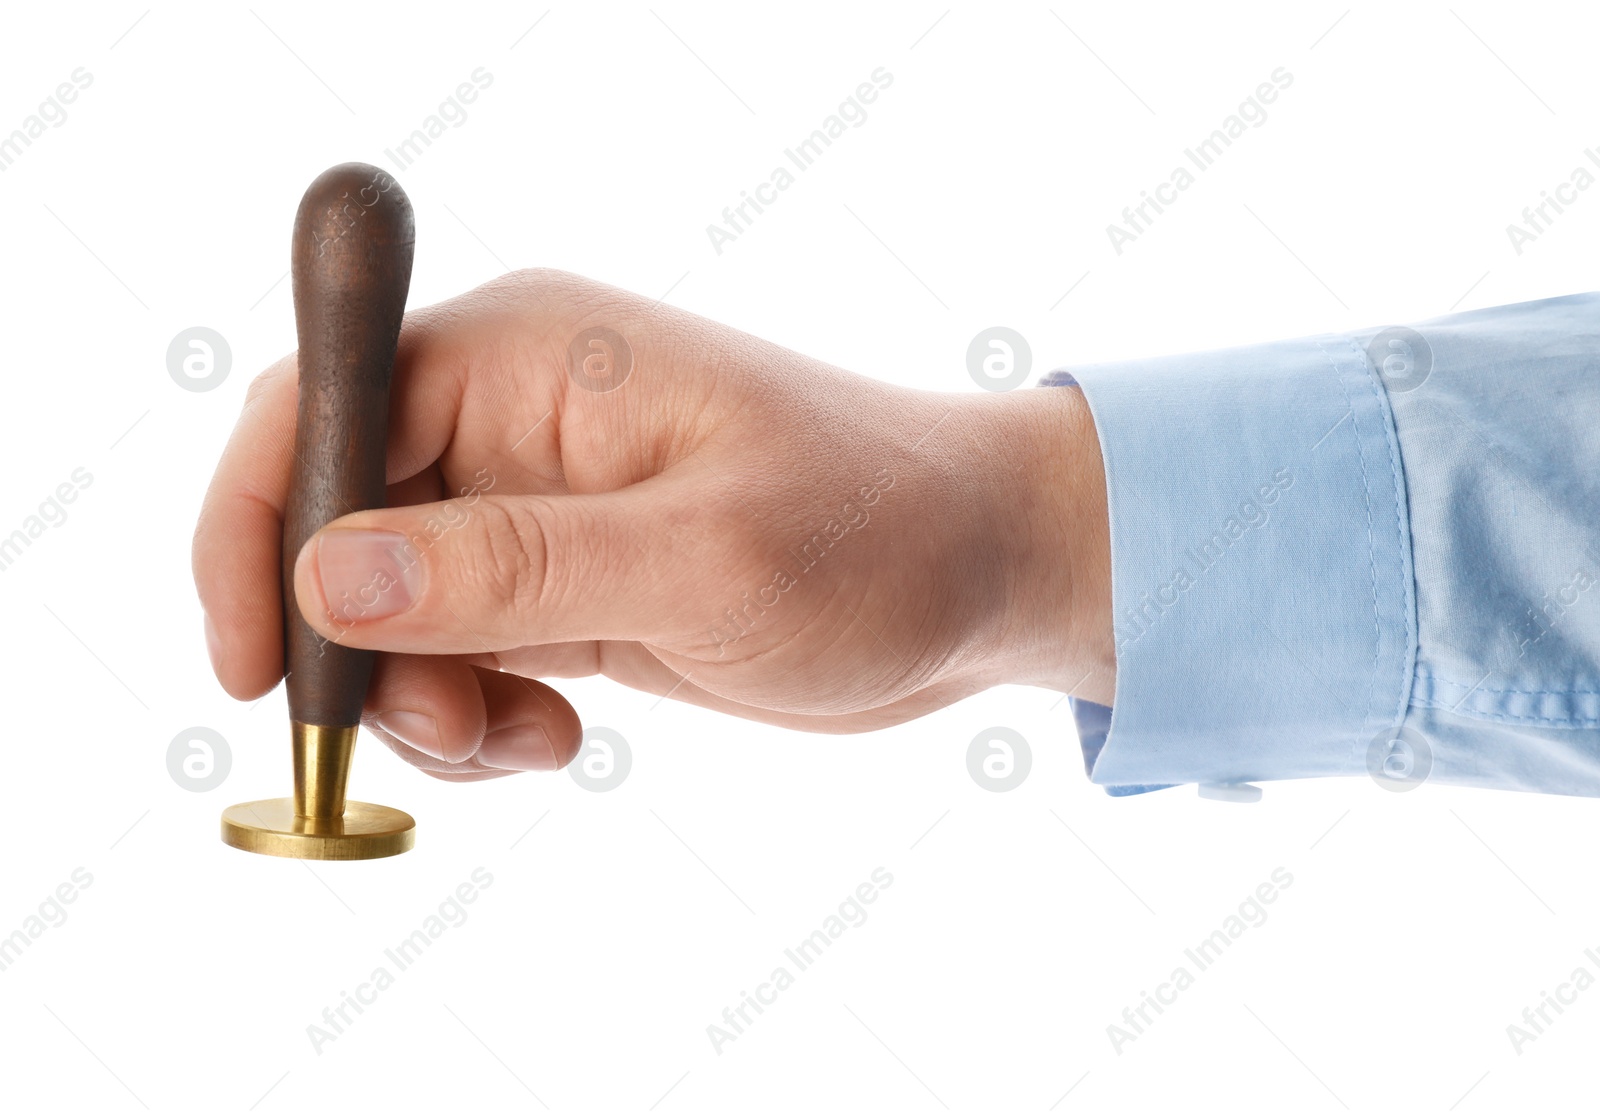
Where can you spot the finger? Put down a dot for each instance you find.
(238, 541)
(511, 571)
(530, 725)
(475, 776)
(237, 549)
(453, 720)
(433, 706)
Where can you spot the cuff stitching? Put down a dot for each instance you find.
(1372, 548)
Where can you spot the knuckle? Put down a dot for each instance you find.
(518, 285)
(563, 297)
(540, 277)
(514, 562)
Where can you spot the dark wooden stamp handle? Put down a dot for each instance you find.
(353, 241)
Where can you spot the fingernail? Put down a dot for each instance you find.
(213, 646)
(524, 747)
(366, 574)
(414, 729)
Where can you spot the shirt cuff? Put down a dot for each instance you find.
(1262, 590)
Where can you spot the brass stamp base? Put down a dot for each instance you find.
(271, 828)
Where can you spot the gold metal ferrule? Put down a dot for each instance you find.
(321, 768)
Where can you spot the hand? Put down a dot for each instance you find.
(582, 481)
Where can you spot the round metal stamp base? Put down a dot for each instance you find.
(270, 828)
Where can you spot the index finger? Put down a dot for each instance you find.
(238, 542)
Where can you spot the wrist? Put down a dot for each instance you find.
(1055, 631)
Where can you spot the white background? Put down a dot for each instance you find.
(977, 192)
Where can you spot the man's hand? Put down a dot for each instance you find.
(582, 481)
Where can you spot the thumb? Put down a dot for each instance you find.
(507, 571)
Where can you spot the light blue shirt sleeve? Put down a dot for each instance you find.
(1358, 554)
